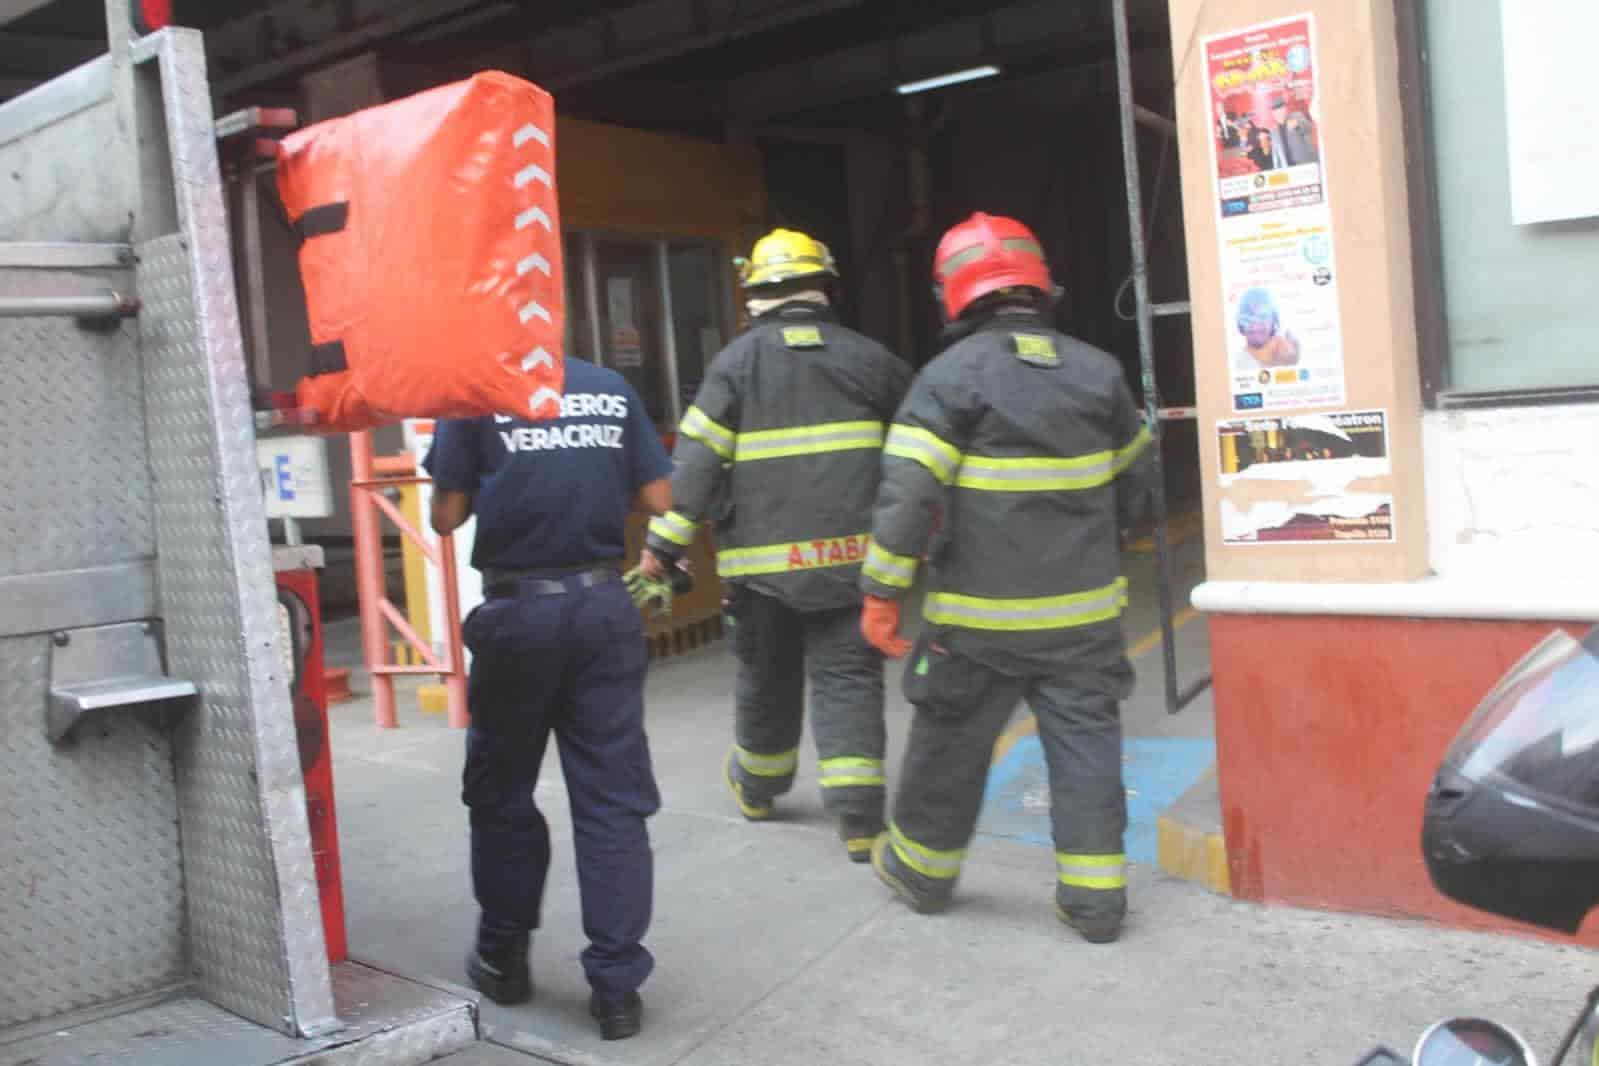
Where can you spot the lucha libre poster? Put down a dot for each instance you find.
(1278, 272)
(1263, 106)
(1306, 479)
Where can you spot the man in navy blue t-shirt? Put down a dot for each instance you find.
(557, 645)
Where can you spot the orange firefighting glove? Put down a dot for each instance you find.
(880, 627)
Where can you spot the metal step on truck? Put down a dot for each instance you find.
(159, 895)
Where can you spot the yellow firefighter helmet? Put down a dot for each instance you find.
(784, 255)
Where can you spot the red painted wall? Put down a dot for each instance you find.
(1328, 733)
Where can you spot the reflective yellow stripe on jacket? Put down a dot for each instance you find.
(673, 527)
(996, 474)
(1125, 456)
(819, 554)
(807, 440)
(1038, 613)
(709, 432)
(1091, 871)
(884, 567)
(1012, 474)
(922, 446)
(1036, 475)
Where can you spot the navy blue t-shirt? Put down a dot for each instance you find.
(555, 493)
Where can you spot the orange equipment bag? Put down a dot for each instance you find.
(431, 256)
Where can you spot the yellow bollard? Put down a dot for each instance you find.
(433, 699)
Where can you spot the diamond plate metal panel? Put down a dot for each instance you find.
(255, 924)
(58, 186)
(389, 1022)
(184, 1032)
(92, 908)
(85, 499)
(392, 1021)
(371, 1000)
(236, 933)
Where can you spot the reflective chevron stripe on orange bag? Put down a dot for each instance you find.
(431, 256)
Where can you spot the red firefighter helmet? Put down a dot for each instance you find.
(983, 255)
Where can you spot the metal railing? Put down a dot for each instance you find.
(372, 478)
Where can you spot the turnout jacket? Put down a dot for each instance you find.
(781, 451)
(1025, 447)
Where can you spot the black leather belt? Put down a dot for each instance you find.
(557, 581)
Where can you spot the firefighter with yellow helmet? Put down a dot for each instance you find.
(1028, 445)
(781, 454)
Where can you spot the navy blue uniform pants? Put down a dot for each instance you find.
(573, 664)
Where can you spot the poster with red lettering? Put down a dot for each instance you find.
(1266, 134)
(1279, 270)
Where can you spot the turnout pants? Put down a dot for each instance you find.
(961, 709)
(776, 646)
(570, 663)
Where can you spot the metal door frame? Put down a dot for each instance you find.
(1177, 695)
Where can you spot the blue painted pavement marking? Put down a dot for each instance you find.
(1157, 771)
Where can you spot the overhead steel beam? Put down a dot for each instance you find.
(290, 38)
(11, 10)
(568, 75)
(293, 36)
(842, 75)
(610, 43)
(1024, 34)
(650, 101)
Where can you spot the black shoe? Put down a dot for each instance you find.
(1104, 927)
(507, 982)
(618, 1018)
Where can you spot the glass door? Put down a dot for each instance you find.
(697, 281)
(630, 317)
(654, 310)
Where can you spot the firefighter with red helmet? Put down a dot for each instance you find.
(1027, 447)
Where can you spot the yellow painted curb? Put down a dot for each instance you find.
(432, 699)
(1179, 529)
(1192, 855)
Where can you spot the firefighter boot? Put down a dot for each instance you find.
(925, 895)
(1097, 923)
(497, 967)
(858, 832)
(753, 808)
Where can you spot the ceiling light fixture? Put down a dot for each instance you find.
(954, 77)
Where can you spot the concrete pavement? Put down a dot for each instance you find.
(772, 949)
